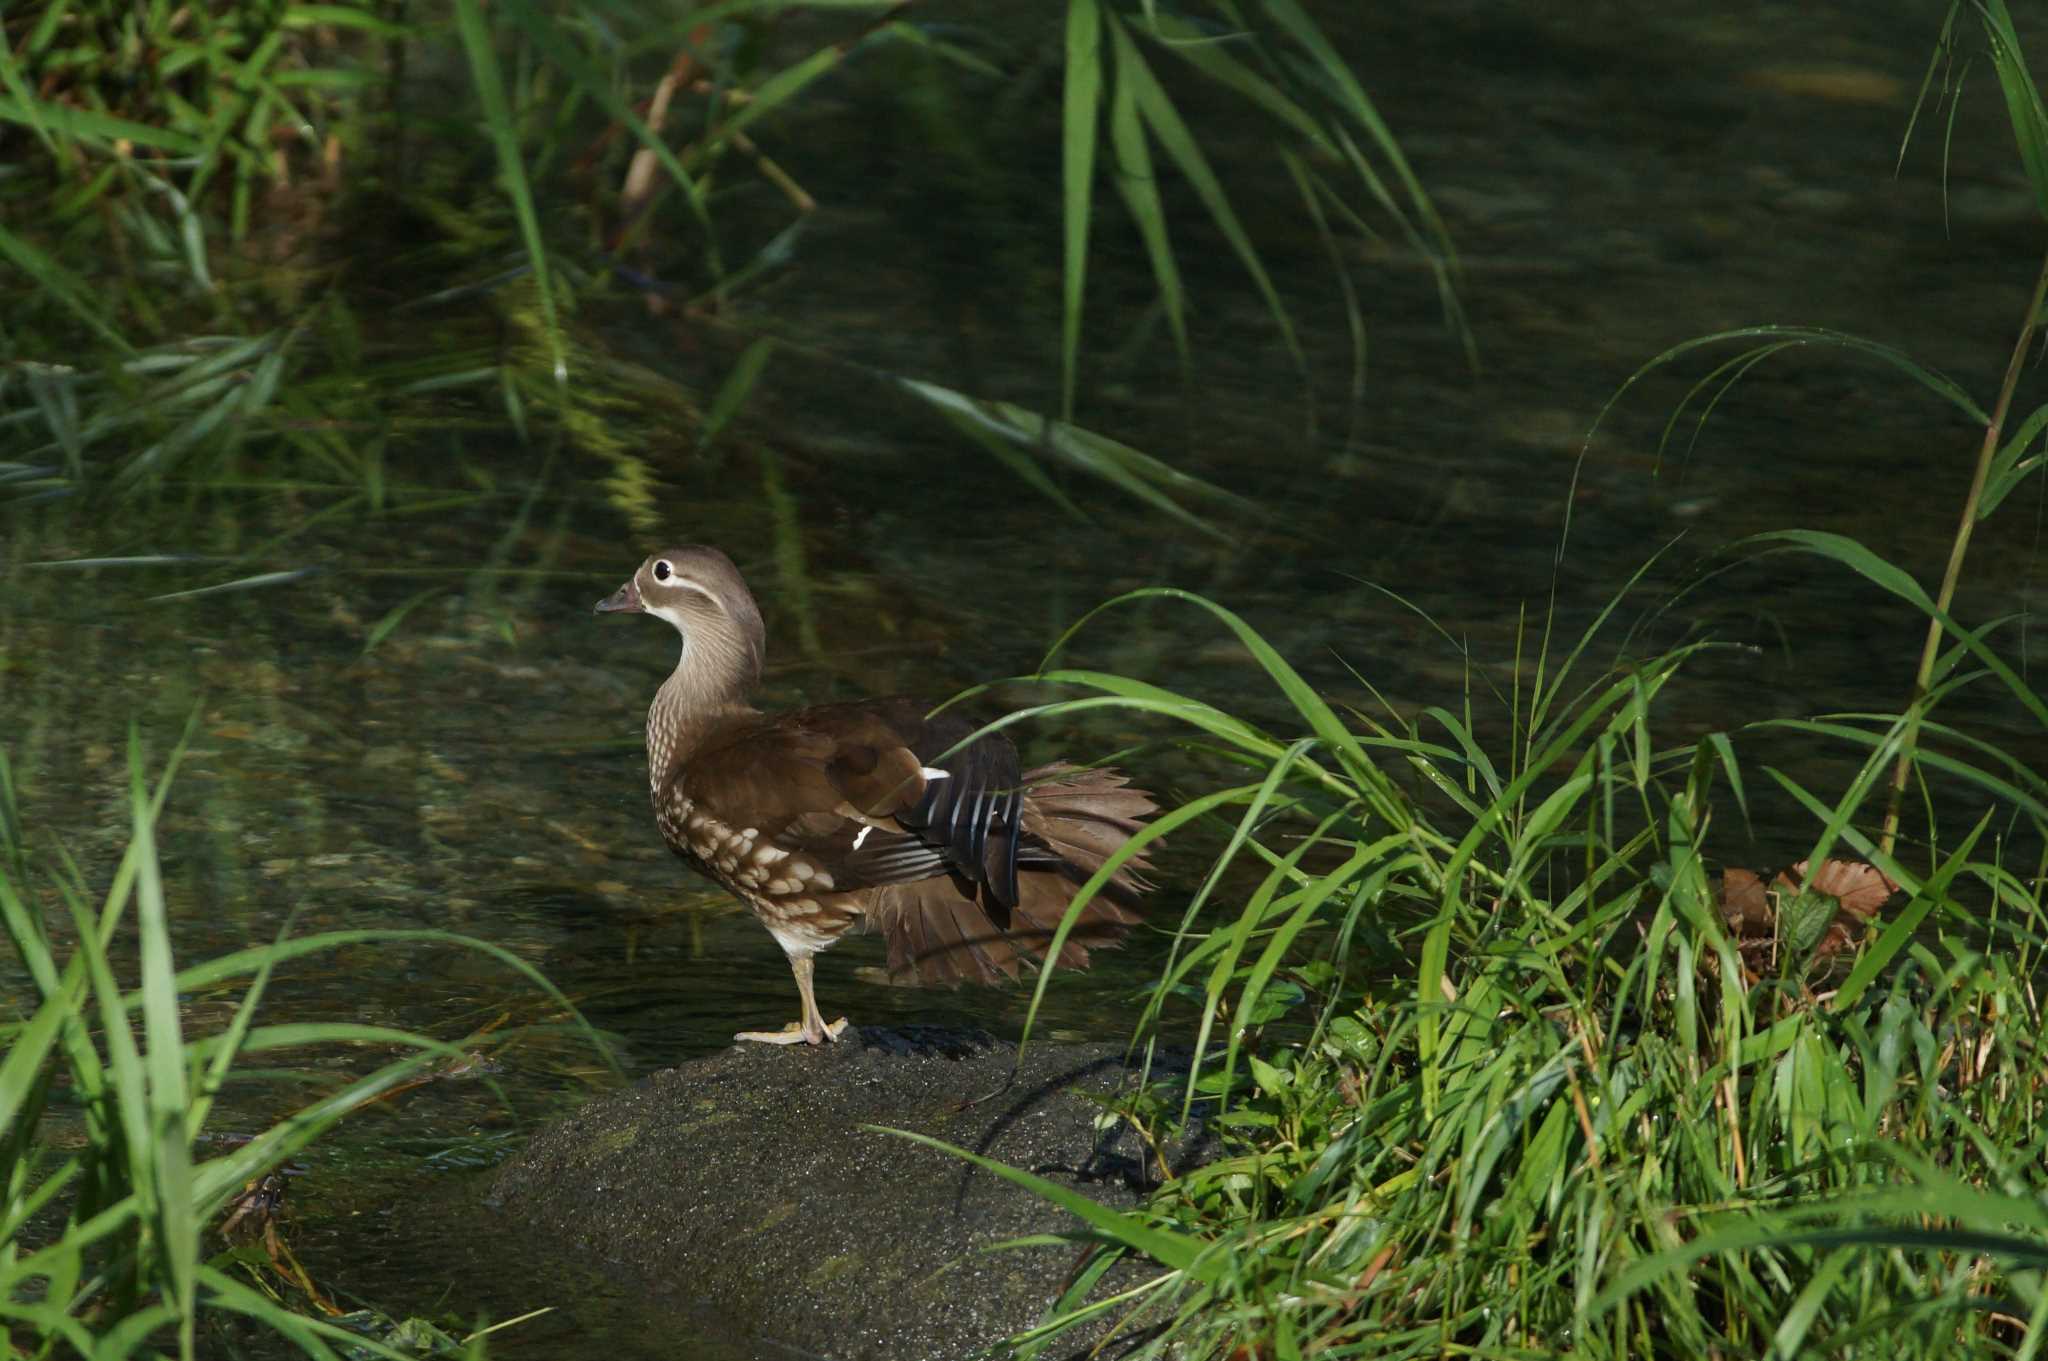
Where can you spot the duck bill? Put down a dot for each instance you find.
(625, 600)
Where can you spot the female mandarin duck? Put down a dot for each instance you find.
(864, 815)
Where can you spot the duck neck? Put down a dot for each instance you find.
(706, 691)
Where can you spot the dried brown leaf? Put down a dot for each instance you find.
(1744, 904)
(1861, 889)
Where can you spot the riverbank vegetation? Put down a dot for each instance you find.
(215, 209)
(131, 1225)
(1561, 1081)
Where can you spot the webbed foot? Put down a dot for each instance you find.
(795, 1033)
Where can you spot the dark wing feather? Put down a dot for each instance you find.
(844, 785)
(884, 747)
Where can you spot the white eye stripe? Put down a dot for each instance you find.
(679, 583)
(669, 611)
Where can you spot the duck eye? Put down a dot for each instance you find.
(662, 570)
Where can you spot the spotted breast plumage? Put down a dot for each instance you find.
(870, 815)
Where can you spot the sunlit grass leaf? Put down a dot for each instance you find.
(1202, 1260)
(504, 131)
(1148, 479)
(1777, 339)
(163, 1033)
(1184, 149)
(1137, 182)
(1081, 100)
(29, 1044)
(129, 1151)
(1537, 1063)
(1946, 1201)
(88, 125)
(2023, 108)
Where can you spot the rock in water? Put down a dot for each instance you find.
(744, 1187)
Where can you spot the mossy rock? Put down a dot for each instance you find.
(753, 1189)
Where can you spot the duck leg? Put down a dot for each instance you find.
(812, 1028)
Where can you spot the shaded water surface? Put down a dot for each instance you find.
(1617, 184)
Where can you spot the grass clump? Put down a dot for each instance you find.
(1570, 1086)
(1495, 1074)
(107, 1193)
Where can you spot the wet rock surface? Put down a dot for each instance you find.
(746, 1187)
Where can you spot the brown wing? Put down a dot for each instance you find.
(969, 865)
(848, 787)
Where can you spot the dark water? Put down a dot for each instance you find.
(1616, 183)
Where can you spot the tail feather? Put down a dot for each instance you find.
(949, 930)
(1084, 816)
(938, 934)
(1043, 905)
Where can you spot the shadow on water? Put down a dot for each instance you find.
(1616, 184)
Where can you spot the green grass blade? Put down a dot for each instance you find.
(102, 130)
(242, 963)
(732, 394)
(1795, 337)
(215, 1180)
(61, 284)
(1082, 100)
(27, 1047)
(561, 52)
(2011, 467)
(1898, 932)
(164, 1062)
(2023, 108)
(504, 132)
(770, 95)
(1198, 1259)
(1137, 474)
(1180, 145)
(1876, 570)
(1005, 451)
(1138, 184)
(1433, 241)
